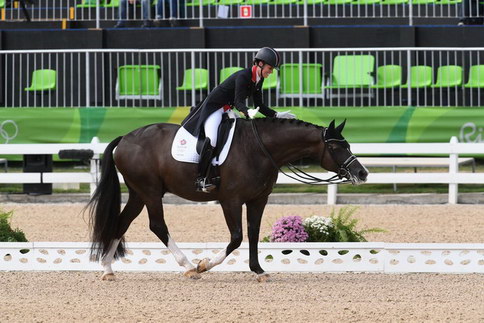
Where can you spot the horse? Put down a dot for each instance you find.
(259, 148)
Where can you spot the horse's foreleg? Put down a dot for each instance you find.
(255, 209)
(233, 218)
(158, 226)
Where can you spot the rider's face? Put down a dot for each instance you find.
(266, 70)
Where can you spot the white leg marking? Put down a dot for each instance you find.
(180, 257)
(108, 259)
(219, 258)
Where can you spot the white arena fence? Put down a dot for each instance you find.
(377, 257)
(201, 10)
(453, 177)
(319, 77)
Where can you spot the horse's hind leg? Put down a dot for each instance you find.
(158, 226)
(233, 218)
(131, 210)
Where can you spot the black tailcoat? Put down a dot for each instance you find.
(233, 91)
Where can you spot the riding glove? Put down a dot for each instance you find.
(252, 112)
(285, 115)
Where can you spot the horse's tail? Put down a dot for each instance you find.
(105, 207)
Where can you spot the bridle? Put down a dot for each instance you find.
(300, 175)
(343, 169)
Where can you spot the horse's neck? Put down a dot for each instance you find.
(287, 142)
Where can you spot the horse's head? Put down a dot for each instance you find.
(341, 160)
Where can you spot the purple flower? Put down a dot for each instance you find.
(289, 229)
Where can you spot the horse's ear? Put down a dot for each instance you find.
(331, 125)
(341, 126)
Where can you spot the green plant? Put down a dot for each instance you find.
(7, 234)
(343, 228)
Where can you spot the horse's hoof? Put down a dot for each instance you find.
(262, 278)
(108, 277)
(203, 265)
(192, 274)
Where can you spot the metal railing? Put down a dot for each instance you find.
(353, 77)
(200, 10)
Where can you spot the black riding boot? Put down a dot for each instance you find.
(203, 182)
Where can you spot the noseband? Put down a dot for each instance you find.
(305, 177)
(343, 169)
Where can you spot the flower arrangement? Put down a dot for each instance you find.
(288, 229)
(339, 227)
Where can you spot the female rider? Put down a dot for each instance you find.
(233, 92)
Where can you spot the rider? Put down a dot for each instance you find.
(233, 92)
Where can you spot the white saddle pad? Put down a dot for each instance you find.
(184, 147)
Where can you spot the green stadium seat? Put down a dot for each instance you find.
(227, 71)
(312, 2)
(352, 71)
(420, 2)
(476, 77)
(2, 3)
(448, 2)
(421, 76)
(194, 79)
(271, 81)
(197, 3)
(138, 82)
(448, 76)
(365, 2)
(111, 4)
(290, 80)
(393, 2)
(388, 76)
(90, 4)
(283, 1)
(337, 2)
(229, 2)
(256, 1)
(43, 80)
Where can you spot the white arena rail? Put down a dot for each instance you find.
(453, 177)
(375, 257)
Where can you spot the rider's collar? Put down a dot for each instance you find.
(255, 75)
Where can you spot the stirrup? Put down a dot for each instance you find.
(204, 186)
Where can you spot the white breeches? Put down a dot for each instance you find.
(211, 126)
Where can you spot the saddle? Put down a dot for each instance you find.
(186, 147)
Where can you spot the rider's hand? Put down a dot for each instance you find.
(285, 115)
(252, 112)
(244, 114)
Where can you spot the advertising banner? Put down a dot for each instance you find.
(364, 124)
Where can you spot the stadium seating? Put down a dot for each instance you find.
(43, 80)
(352, 71)
(421, 76)
(290, 80)
(476, 77)
(194, 79)
(448, 76)
(138, 82)
(90, 3)
(227, 71)
(388, 76)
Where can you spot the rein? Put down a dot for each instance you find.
(305, 178)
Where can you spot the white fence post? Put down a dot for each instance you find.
(94, 167)
(453, 170)
(332, 194)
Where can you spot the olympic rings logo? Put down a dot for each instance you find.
(8, 130)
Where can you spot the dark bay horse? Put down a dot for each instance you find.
(247, 177)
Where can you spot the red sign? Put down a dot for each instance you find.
(245, 12)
